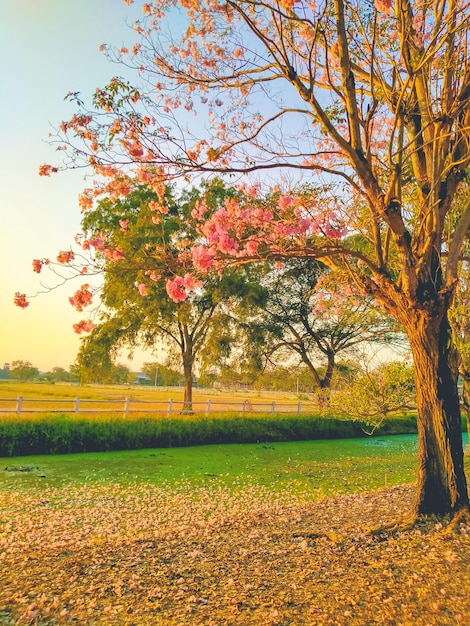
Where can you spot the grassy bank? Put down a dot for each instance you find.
(61, 433)
(309, 469)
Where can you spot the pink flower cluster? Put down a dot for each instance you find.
(84, 326)
(114, 255)
(65, 256)
(178, 287)
(38, 263)
(97, 242)
(243, 231)
(81, 298)
(20, 300)
(47, 170)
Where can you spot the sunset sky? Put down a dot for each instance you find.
(48, 48)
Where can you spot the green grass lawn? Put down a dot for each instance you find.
(311, 469)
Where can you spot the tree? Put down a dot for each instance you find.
(23, 370)
(307, 316)
(138, 245)
(373, 102)
(372, 394)
(59, 374)
(95, 359)
(161, 375)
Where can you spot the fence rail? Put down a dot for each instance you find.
(21, 405)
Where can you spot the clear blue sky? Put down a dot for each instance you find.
(47, 48)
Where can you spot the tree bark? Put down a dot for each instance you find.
(188, 361)
(442, 486)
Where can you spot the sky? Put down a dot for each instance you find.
(47, 48)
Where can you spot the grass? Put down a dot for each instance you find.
(13, 389)
(311, 468)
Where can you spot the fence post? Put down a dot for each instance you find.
(126, 406)
(272, 407)
(299, 408)
(243, 407)
(77, 404)
(208, 406)
(19, 404)
(170, 406)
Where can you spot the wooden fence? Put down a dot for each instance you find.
(127, 406)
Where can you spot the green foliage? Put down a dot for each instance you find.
(162, 375)
(23, 370)
(58, 434)
(59, 374)
(372, 395)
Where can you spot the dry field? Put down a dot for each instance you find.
(112, 398)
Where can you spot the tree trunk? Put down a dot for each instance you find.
(188, 361)
(442, 486)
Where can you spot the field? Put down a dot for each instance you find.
(113, 398)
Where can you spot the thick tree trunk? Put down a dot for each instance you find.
(442, 486)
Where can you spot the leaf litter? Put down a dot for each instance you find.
(185, 555)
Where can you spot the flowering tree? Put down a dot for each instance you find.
(372, 100)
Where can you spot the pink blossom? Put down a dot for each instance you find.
(37, 266)
(333, 232)
(304, 224)
(384, 6)
(203, 258)
(81, 298)
(124, 225)
(228, 244)
(47, 170)
(65, 256)
(157, 206)
(199, 210)
(114, 255)
(175, 289)
(20, 300)
(191, 283)
(251, 247)
(84, 326)
(135, 150)
(285, 202)
(143, 289)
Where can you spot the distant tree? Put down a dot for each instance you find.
(23, 370)
(59, 374)
(95, 359)
(308, 315)
(162, 375)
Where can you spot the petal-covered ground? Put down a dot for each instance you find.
(144, 555)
